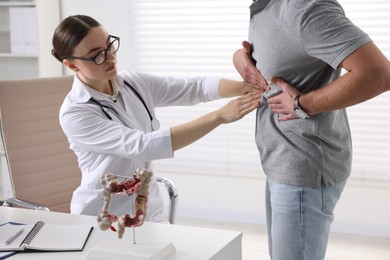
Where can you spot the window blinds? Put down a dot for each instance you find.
(370, 121)
(189, 38)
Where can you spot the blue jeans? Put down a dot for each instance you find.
(298, 219)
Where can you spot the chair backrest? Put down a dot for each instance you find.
(42, 167)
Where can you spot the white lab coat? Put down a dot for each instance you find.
(127, 142)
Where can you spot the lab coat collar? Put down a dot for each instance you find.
(82, 93)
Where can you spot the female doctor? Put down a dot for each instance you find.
(109, 117)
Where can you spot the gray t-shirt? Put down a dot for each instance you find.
(303, 42)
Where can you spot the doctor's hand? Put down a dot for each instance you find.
(187, 133)
(283, 104)
(242, 60)
(239, 107)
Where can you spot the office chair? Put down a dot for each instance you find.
(43, 170)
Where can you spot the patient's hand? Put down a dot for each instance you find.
(283, 104)
(242, 60)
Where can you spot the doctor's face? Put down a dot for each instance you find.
(94, 58)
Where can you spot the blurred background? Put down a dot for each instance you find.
(219, 177)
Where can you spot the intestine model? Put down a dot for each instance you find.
(138, 185)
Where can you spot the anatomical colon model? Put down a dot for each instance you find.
(137, 185)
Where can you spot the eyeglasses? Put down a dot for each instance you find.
(101, 56)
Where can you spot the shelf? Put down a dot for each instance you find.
(25, 32)
(15, 63)
(16, 3)
(11, 55)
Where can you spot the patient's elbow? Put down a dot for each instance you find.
(380, 78)
(386, 77)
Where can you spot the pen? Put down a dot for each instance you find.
(9, 241)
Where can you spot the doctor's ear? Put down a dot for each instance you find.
(70, 65)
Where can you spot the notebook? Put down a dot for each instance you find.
(44, 237)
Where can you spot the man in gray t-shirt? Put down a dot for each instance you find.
(302, 130)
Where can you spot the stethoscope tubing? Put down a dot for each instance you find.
(103, 107)
(154, 122)
(141, 99)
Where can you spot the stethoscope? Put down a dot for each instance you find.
(154, 121)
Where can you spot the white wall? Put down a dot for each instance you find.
(113, 15)
(48, 11)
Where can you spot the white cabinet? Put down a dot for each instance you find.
(35, 28)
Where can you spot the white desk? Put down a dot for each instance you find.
(192, 243)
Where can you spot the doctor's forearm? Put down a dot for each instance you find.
(185, 134)
(230, 88)
(188, 133)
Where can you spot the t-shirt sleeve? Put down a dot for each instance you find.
(326, 33)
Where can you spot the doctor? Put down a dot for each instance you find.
(109, 117)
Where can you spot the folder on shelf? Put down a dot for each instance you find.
(23, 30)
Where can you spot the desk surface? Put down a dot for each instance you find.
(191, 243)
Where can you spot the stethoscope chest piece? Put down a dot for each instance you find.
(155, 124)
